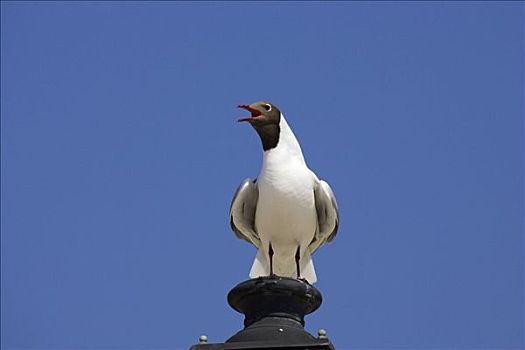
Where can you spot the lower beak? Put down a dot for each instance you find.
(255, 113)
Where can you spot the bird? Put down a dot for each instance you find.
(287, 212)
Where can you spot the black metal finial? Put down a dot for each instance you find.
(274, 310)
(274, 297)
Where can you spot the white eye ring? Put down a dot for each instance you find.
(269, 107)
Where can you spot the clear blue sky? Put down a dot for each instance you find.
(120, 155)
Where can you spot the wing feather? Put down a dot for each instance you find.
(242, 212)
(327, 215)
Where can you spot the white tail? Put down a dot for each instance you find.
(307, 268)
(261, 267)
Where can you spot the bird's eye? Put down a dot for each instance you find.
(268, 107)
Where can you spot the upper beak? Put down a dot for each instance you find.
(255, 113)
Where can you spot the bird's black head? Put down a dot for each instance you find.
(265, 119)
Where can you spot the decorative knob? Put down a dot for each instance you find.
(321, 334)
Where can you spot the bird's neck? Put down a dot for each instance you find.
(287, 149)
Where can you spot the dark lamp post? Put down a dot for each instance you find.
(274, 310)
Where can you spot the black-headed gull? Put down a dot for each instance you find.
(286, 212)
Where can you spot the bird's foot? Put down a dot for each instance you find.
(303, 280)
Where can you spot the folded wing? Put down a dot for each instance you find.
(242, 212)
(327, 215)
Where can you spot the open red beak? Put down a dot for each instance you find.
(255, 113)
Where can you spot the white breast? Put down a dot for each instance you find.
(285, 214)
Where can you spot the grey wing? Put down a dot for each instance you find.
(242, 212)
(327, 215)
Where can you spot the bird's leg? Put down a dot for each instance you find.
(297, 257)
(270, 254)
